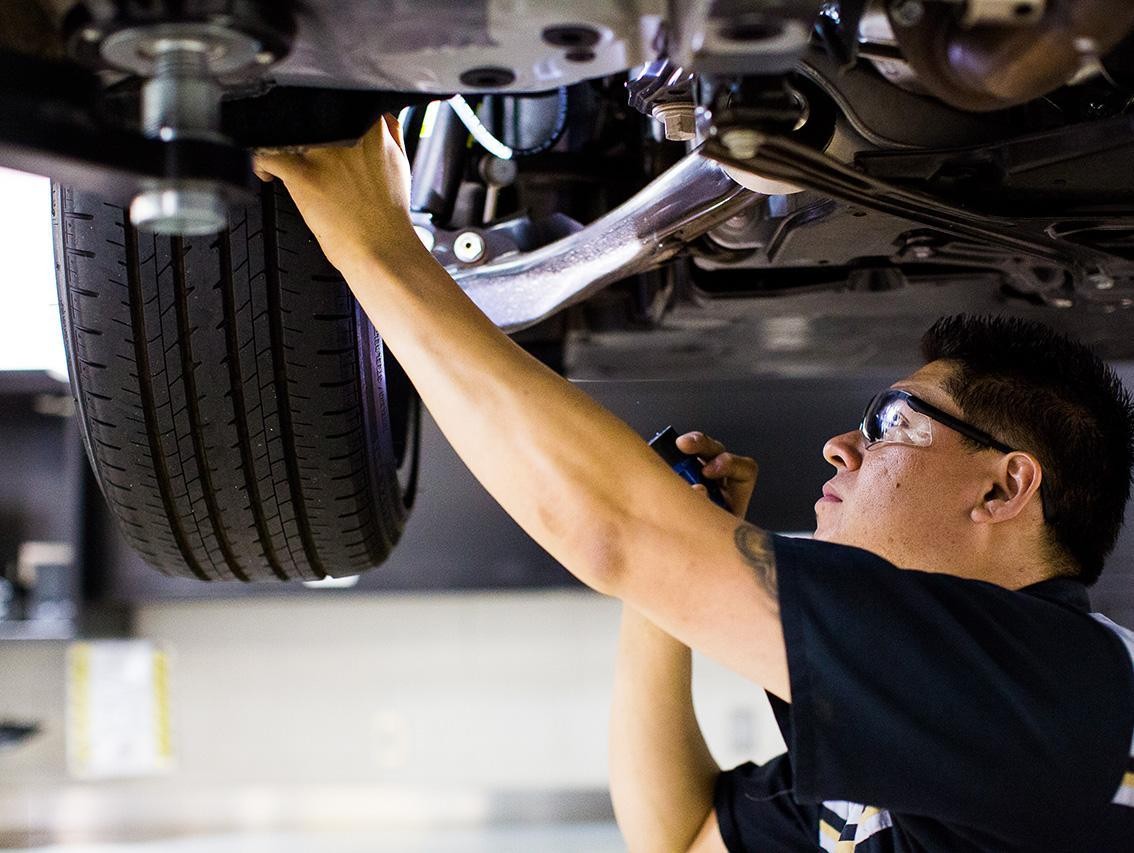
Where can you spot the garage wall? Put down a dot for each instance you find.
(393, 708)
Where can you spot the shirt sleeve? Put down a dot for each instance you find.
(757, 813)
(933, 695)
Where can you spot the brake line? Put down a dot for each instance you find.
(494, 146)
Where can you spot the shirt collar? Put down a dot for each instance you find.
(1066, 591)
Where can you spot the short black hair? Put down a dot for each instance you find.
(1042, 392)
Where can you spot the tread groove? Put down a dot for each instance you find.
(232, 360)
(146, 390)
(287, 435)
(188, 378)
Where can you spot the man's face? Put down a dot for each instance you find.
(906, 504)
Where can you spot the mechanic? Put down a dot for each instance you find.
(967, 701)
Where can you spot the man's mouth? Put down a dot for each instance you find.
(829, 495)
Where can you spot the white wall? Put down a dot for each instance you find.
(29, 310)
(400, 694)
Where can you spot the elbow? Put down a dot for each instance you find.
(603, 564)
(602, 557)
(590, 539)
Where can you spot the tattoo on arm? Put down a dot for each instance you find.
(756, 550)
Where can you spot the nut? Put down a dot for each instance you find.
(741, 142)
(678, 120)
(468, 247)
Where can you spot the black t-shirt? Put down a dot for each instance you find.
(933, 713)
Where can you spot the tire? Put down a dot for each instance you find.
(240, 413)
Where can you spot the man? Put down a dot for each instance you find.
(970, 704)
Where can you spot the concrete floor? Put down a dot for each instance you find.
(600, 837)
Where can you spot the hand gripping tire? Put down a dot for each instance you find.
(242, 417)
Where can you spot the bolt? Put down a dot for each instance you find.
(741, 142)
(922, 253)
(265, 57)
(907, 13)
(91, 34)
(677, 119)
(468, 247)
(181, 97)
(1060, 302)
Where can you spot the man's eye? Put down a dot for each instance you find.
(895, 419)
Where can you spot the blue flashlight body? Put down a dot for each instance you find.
(685, 465)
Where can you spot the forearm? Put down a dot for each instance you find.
(540, 446)
(661, 772)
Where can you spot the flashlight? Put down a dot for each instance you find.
(686, 466)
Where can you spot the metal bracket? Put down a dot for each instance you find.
(787, 160)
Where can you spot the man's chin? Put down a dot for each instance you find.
(834, 536)
(825, 529)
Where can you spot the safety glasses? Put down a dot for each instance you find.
(898, 417)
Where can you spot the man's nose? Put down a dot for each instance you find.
(844, 451)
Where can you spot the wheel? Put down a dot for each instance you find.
(241, 415)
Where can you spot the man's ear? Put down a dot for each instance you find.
(1016, 481)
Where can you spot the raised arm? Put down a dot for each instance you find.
(576, 478)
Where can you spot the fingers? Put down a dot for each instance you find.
(270, 163)
(719, 463)
(699, 444)
(729, 465)
(735, 475)
(290, 162)
(701, 490)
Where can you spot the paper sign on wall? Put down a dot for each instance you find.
(118, 716)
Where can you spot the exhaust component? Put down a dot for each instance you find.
(984, 68)
(689, 199)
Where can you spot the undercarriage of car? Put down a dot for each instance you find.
(579, 168)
